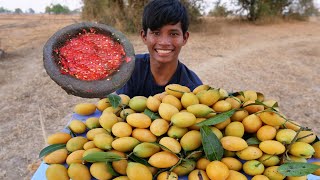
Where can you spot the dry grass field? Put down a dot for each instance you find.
(281, 60)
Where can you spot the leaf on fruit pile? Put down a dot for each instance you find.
(138, 159)
(211, 144)
(50, 149)
(152, 115)
(102, 157)
(114, 99)
(253, 140)
(217, 119)
(297, 169)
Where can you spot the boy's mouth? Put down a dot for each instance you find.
(163, 51)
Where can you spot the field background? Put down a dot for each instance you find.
(280, 60)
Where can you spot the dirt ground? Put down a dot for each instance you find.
(281, 60)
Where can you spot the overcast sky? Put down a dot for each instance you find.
(39, 5)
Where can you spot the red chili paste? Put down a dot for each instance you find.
(91, 56)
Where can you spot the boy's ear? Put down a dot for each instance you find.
(143, 35)
(185, 37)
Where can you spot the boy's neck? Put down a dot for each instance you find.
(162, 73)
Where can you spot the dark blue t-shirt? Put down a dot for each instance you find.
(142, 82)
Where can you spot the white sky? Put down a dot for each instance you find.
(39, 5)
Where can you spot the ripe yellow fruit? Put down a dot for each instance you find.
(239, 115)
(125, 99)
(144, 135)
(170, 143)
(167, 175)
(189, 99)
(138, 171)
(301, 149)
(191, 140)
(107, 120)
(253, 167)
(176, 90)
(272, 173)
(56, 157)
(163, 159)
(138, 103)
(166, 111)
(234, 129)
(232, 163)
(99, 170)
(200, 88)
(271, 118)
(57, 171)
(272, 147)
(260, 177)
(317, 172)
(269, 160)
(170, 99)
(202, 163)
(198, 175)
(221, 106)
(93, 132)
(77, 126)
(249, 153)
(153, 103)
(76, 143)
(78, 171)
(139, 120)
(75, 157)
(85, 109)
(248, 95)
(145, 149)
(252, 123)
(59, 138)
(103, 141)
(177, 132)
(253, 108)
(223, 124)
(159, 127)
(184, 168)
(183, 119)
(92, 122)
(266, 132)
(121, 129)
(285, 135)
(124, 144)
(316, 147)
(232, 143)
(236, 175)
(209, 97)
(217, 170)
(234, 101)
(306, 136)
(199, 110)
(103, 104)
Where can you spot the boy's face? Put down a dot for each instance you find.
(164, 44)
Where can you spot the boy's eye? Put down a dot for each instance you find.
(155, 33)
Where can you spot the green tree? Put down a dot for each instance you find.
(219, 10)
(4, 10)
(57, 9)
(18, 11)
(258, 9)
(125, 15)
(30, 11)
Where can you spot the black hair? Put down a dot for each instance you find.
(158, 13)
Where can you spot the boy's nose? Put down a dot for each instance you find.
(164, 40)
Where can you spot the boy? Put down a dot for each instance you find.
(165, 31)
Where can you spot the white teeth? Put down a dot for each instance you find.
(163, 51)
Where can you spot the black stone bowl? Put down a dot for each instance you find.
(87, 89)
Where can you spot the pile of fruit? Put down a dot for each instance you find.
(204, 134)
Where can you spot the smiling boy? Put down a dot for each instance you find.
(165, 31)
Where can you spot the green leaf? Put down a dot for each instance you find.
(102, 157)
(114, 99)
(151, 114)
(138, 159)
(217, 119)
(253, 140)
(50, 149)
(297, 169)
(71, 132)
(111, 170)
(211, 144)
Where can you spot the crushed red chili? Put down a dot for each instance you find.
(90, 56)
